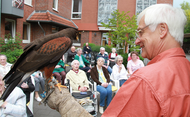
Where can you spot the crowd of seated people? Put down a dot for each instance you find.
(81, 70)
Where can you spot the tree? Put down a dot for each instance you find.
(186, 7)
(122, 31)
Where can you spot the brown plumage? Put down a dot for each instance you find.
(41, 54)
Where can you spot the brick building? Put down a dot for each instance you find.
(33, 19)
(36, 18)
(91, 12)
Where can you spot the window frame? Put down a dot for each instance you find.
(28, 2)
(143, 5)
(107, 38)
(13, 27)
(28, 32)
(79, 13)
(56, 5)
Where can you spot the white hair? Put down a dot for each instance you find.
(118, 57)
(72, 63)
(4, 56)
(113, 49)
(101, 58)
(164, 13)
(78, 49)
(102, 48)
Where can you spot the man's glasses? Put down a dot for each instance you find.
(139, 32)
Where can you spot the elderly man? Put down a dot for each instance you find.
(71, 55)
(87, 50)
(162, 88)
(105, 56)
(4, 65)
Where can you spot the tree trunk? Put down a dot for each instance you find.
(65, 104)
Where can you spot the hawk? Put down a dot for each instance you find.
(42, 54)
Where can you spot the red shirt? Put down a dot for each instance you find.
(162, 88)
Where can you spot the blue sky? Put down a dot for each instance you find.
(176, 3)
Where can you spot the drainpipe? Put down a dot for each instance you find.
(41, 28)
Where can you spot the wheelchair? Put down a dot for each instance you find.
(91, 94)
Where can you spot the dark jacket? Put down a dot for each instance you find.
(95, 76)
(86, 49)
(71, 56)
(27, 91)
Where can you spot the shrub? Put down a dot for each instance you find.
(11, 48)
(125, 57)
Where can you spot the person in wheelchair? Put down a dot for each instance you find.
(86, 51)
(80, 86)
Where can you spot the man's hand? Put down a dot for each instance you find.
(104, 85)
(86, 52)
(24, 85)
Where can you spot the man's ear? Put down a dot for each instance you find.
(163, 30)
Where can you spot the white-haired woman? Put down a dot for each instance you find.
(119, 72)
(100, 75)
(77, 77)
(112, 57)
(82, 61)
(15, 104)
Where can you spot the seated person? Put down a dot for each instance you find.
(4, 65)
(112, 57)
(79, 83)
(105, 56)
(134, 63)
(59, 71)
(39, 81)
(82, 61)
(100, 75)
(15, 104)
(27, 87)
(119, 71)
(71, 55)
(87, 50)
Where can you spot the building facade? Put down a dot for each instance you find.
(89, 14)
(32, 19)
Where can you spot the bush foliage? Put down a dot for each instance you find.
(11, 47)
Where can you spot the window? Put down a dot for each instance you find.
(10, 28)
(26, 33)
(143, 4)
(76, 9)
(77, 43)
(55, 5)
(105, 8)
(55, 29)
(104, 39)
(28, 2)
